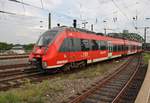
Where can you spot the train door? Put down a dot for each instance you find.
(129, 49)
(110, 47)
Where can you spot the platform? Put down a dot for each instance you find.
(144, 94)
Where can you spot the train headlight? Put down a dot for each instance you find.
(44, 64)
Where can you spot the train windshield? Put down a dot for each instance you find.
(47, 37)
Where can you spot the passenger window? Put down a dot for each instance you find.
(99, 44)
(85, 45)
(94, 45)
(66, 45)
(119, 47)
(103, 45)
(76, 44)
(114, 48)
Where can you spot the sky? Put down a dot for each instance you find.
(30, 21)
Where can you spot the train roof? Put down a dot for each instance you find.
(61, 28)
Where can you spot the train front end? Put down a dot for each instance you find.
(44, 50)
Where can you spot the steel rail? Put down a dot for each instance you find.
(101, 83)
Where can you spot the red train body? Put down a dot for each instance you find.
(63, 46)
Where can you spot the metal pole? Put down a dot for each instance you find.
(92, 27)
(145, 29)
(105, 31)
(145, 38)
(49, 21)
(42, 4)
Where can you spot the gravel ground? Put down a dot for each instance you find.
(77, 82)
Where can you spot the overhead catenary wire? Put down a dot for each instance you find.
(55, 13)
(5, 12)
(23, 8)
(26, 4)
(23, 5)
(138, 12)
(16, 14)
(42, 8)
(146, 5)
(122, 12)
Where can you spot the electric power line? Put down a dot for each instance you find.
(23, 7)
(16, 14)
(5, 12)
(122, 12)
(30, 4)
(57, 13)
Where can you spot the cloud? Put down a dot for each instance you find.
(51, 4)
(28, 28)
(25, 27)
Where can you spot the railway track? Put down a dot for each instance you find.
(113, 88)
(14, 75)
(4, 57)
(15, 70)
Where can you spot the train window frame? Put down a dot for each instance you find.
(53, 33)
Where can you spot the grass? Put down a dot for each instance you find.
(146, 57)
(94, 70)
(30, 93)
(89, 72)
(42, 92)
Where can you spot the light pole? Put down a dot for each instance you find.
(145, 33)
(92, 27)
(49, 21)
(105, 27)
(145, 30)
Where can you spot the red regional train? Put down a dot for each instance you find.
(67, 47)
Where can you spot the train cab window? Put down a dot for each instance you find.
(47, 38)
(94, 45)
(85, 45)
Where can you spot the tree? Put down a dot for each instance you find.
(5, 46)
(29, 46)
